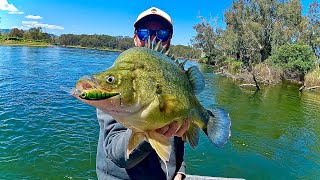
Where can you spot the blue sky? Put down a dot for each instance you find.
(112, 17)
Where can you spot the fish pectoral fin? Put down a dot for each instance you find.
(135, 139)
(196, 79)
(193, 135)
(160, 144)
(169, 104)
(218, 127)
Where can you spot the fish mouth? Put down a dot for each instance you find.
(88, 88)
(90, 92)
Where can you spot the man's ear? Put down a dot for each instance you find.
(136, 40)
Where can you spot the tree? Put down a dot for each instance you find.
(254, 28)
(313, 28)
(15, 32)
(207, 39)
(35, 33)
(187, 52)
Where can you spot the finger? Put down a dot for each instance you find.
(172, 129)
(163, 129)
(183, 128)
(184, 137)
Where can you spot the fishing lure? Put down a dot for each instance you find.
(96, 94)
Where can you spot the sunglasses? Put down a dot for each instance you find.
(161, 34)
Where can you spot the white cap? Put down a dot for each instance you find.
(154, 11)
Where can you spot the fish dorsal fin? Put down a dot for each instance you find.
(196, 79)
(167, 53)
(163, 48)
(151, 44)
(135, 139)
(158, 46)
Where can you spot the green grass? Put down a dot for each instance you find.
(24, 43)
(45, 44)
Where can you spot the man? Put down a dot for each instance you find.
(143, 163)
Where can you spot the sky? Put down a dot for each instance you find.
(111, 17)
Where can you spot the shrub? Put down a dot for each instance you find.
(294, 57)
(233, 65)
(203, 60)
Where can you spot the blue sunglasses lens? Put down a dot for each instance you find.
(163, 35)
(143, 34)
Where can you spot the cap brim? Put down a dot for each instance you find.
(141, 19)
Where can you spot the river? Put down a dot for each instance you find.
(47, 134)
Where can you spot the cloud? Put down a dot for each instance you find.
(31, 24)
(33, 17)
(15, 12)
(5, 6)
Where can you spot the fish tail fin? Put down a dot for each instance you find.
(218, 127)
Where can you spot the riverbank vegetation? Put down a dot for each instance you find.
(270, 40)
(36, 37)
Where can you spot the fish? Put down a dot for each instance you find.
(146, 89)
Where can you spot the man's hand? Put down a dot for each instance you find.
(172, 130)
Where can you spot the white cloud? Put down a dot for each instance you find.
(5, 6)
(33, 17)
(15, 12)
(31, 24)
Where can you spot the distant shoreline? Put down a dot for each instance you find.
(43, 44)
(19, 43)
(102, 49)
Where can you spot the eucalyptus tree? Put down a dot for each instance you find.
(252, 22)
(207, 38)
(15, 32)
(313, 28)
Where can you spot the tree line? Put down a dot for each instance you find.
(94, 41)
(35, 34)
(262, 31)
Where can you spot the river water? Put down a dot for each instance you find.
(47, 134)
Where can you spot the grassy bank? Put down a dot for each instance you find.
(24, 43)
(46, 44)
(266, 74)
(312, 78)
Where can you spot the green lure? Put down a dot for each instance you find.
(96, 94)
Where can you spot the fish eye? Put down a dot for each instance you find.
(110, 79)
